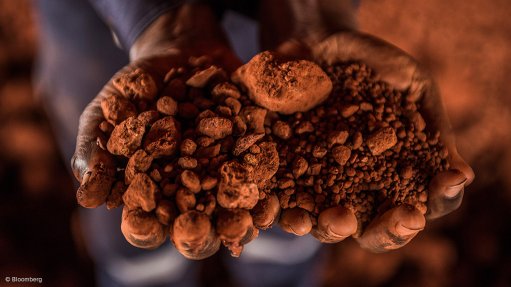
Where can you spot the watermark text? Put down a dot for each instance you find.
(15, 279)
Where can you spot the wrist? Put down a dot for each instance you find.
(191, 27)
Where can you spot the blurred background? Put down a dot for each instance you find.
(465, 44)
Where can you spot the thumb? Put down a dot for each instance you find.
(92, 166)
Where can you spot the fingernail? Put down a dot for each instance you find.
(296, 221)
(335, 234)
(338, 221)
(86, 177)
(454, 190)
(406, 231)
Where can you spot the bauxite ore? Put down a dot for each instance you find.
(208, 161)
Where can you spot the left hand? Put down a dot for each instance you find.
(169, 42)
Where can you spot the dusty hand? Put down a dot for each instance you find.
(308, 37)
(399, 225)
(190, 30)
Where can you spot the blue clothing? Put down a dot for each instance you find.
(128, 19)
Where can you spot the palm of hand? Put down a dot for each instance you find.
(95, 168)
(399, 225)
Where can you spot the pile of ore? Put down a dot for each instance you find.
(208, 160)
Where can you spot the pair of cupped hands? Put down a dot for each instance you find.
(296, 29)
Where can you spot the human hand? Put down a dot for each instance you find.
(307, 38)
(169, 42)
(399, 225)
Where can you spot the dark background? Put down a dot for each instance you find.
(465, 44)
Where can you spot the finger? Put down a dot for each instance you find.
(458, 163)
(437, 120)
(142, 229)
(194, 236)
(86, 141)
(92, 166)
(446, 191)
(393, 229)
(335, 224)
(296, 221)
(235, 228)
(266, 211)
(233, 224)
(95, 185)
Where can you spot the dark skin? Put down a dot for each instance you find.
(324, 31)
(191, 30)
(297, 29)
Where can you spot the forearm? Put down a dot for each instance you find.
(191, 26)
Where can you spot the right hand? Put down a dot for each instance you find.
(190, 30)
(397, 226)
(324, 31)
